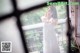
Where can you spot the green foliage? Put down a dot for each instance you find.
(34, 37)
(74, 47)
(33, 17)
(61, 11)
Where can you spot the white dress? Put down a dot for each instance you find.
(50, 43)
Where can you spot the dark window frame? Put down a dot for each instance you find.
(18, 12)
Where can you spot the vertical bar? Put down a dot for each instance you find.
(69, 29)
(17, 15)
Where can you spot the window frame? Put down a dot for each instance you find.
(18, 12)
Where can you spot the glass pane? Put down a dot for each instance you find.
(23, 4)
(9, 32)
(44, 29)
(5, 7)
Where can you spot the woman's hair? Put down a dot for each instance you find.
(50, 15)
(53, 12)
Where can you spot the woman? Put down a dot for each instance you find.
(50, 43)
